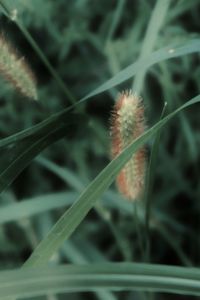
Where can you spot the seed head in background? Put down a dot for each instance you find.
(16, 71)
(128, 123)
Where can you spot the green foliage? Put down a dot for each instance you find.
(113, 276)
(83, 53)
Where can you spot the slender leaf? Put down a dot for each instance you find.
(73, 217)
(29, 149)
(26, 150)
(106, 276)
(55, 120)
(153, 28)
(36, 205)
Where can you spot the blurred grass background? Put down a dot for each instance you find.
(87, 42)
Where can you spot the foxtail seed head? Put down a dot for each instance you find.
(15, 70)
(126, 125)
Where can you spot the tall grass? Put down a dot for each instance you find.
(61, 207)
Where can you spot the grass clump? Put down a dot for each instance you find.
(55, 170)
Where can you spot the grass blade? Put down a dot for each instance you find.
(55, 120)
(162, 54)
(36, 205)
(106, 276)
(28, 151)
(155, 23)
(73, 217)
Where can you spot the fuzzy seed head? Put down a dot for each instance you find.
(126, 125)
(15, 70)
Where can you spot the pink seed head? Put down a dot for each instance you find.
(126, 125)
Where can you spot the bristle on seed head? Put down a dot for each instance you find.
(126, 125)
(16, 71)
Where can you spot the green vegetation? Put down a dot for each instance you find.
(65, 229)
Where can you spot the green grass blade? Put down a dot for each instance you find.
(106, 276)
(36, 205)
(116, 17)
(75, 254)
(28, 151)
(40, 129)
(49, 125)
(66, 175)
(165, 53)
(29, 207)
(181, 8)
(73, 217)
(55, 120)
(154, 26)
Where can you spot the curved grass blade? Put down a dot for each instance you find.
(162, 54)
(29, 207)
(106, 276)
(24, 155)
(55, 120)
(73, 217)
(24, 152)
